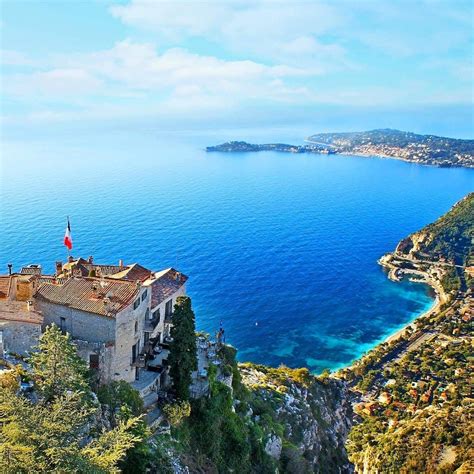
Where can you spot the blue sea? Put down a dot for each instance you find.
(281, 248)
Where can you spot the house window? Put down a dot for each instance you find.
(62, 324)
(146, 336)
(94, 361)
(147, 313)
(136, 304)
(136, 327)
(169, 308)
(144, 294)
(156, 315)
(134, 353)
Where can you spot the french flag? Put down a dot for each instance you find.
(67, 236)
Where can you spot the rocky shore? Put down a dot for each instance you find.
(393, 263)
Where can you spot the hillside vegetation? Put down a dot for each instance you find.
(450, 237)
(417, 407)
(272, 419)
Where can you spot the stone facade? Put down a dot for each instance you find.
(129, 325)
(163, 322)
(79, 324)
(20, 327)
(115, 314)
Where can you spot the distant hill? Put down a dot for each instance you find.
(423, 149)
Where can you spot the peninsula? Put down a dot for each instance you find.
(388, 143)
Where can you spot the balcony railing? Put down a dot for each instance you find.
(139, 361)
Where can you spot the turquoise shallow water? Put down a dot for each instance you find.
(282, 248)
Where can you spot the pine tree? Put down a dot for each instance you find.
(57, 367)
(56, 437)
(60, 431)
(183, 358)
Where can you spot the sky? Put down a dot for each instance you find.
(335, 64)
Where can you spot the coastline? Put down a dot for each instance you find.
(424, 277)
(411, 325)
(440, 295)
(350, 154)
(328, 149)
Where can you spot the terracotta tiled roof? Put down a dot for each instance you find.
(4, 286)
(31, 270)
(82, 267)
(133, 272)
(90, 294)
(168, 282)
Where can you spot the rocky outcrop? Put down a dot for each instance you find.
(273, 446)
(314, 415)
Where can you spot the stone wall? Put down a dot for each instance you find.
(79, 324)
(105, 352)
(129, 327)
(111, 338)
(19, 337)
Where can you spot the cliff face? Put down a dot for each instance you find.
(312, 418)
(271, 420)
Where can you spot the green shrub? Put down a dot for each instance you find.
(176, 412)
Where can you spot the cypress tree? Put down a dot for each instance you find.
(183, 357)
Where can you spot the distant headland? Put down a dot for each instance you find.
(388, 143)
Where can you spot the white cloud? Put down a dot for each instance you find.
(52, 83)
(266, 28)
(135, 71)
(276, 31)
(264, 54)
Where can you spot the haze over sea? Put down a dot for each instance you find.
(282, 248)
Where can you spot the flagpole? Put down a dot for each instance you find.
(68, 251)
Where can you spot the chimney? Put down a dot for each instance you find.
(121, 263)
(91, 259)
(70, 259)
(59, 268)
(10, 266)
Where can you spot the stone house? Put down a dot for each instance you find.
(20, 322)
(119, 316)
(116, 314)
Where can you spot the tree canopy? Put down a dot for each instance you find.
(61, 430)
(56, 365)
